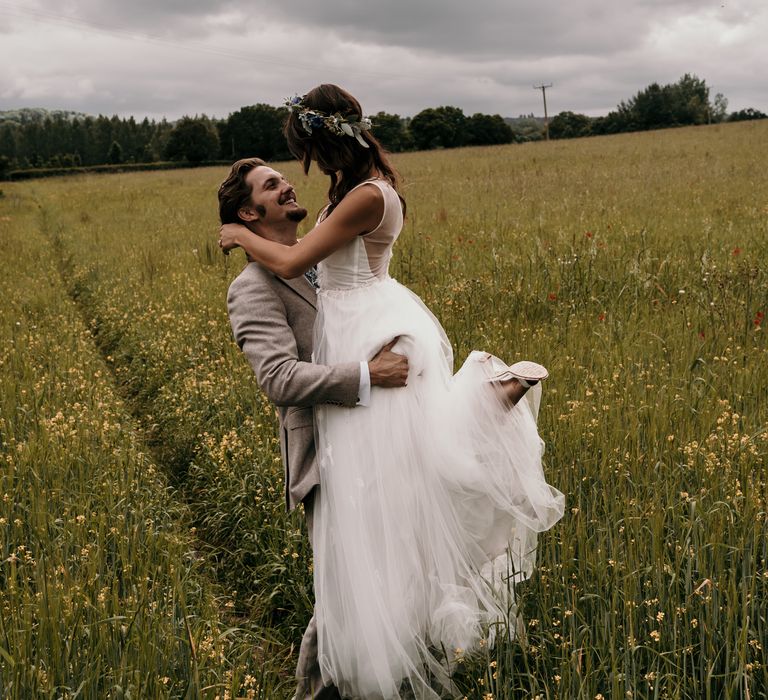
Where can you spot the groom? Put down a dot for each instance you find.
(272, 321)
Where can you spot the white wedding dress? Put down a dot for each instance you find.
(430, 497)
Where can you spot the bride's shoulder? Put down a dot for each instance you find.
(365, 195)
(362, 208)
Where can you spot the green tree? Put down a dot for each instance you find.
(719, 108)
(747, 114)
(440, 127)
(488, 129)
(685, 102)
(101, 139)
(690, 100)
(9, 141)
(569, 125)
(115, 154)
(391, 132)
(612, 123)
(256, 130)
(193, 139)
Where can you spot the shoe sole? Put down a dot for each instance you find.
(530, 371)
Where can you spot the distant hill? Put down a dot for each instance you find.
(28, 115)
(523, 118)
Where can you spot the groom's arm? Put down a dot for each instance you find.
(260, 326)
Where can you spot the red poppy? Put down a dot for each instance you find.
(552, 296)
(701, 335)
(736, 251)
(601, 317)
(588, 234)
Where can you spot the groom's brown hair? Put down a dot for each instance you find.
(235, 192)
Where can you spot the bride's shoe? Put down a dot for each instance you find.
(514, 380)
(526, 372)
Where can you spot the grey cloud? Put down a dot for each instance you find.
(482, 28)
(217, 56)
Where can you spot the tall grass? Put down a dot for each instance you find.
(629, 265)
(104, 592)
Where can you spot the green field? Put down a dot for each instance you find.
(144, 551)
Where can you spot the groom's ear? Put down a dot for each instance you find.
(248, 214)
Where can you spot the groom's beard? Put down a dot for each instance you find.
(296, 215)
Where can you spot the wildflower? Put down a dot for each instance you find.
(552, 296)
(736, 251)
(656, 635)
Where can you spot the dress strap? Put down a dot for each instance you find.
(369, 181)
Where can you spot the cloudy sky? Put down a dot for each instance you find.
(173, 57)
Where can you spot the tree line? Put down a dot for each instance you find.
(61, 140)
(684, 103)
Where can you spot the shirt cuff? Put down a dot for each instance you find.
(364, 392)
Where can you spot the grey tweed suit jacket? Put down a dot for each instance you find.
(272, 321)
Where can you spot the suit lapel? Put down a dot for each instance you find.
(303, 288)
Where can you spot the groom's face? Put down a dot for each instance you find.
(273, 199)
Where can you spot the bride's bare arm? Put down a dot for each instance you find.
(359, 212)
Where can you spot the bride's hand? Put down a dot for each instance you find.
(229, 236)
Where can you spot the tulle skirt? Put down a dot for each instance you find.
(429, 505)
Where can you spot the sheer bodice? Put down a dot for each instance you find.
(366, 258)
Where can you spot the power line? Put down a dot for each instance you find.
(543, 89)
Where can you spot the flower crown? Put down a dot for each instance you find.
(335, 123)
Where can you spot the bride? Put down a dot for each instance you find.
(431, 497)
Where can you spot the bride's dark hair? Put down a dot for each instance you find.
(340, 157)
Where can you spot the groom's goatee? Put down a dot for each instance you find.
(297, 215)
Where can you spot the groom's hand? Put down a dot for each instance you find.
(389, 369)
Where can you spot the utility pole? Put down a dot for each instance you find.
(543, 89)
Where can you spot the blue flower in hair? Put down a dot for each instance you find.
(294, 101)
